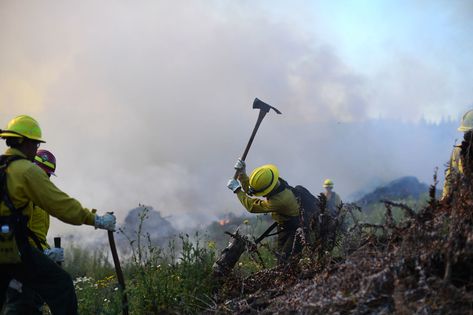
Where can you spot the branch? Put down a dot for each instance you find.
(406, 209)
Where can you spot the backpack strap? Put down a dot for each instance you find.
(282, 186)
(292, 222)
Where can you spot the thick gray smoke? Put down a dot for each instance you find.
(150, 102)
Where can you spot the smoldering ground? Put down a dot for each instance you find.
(150, 102)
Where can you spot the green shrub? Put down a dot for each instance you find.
(170, 282)
(177, 279)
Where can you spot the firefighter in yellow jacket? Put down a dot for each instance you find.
(27, 187)
(455, 165)
(21, 299)
(277, 199)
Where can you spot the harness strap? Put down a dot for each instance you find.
(282, 186)
(35, 238)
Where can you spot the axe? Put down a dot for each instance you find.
(263, 110)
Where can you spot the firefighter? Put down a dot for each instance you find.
(28, 186)
(276, 198)
(334, 202)
(21, 299)
(455, 166)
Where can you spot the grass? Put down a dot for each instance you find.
(156, 280)
(176, 279)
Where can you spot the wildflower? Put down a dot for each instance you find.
(212, 245)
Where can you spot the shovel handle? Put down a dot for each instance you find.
(118, 270)
(57, 242)
(266, 233)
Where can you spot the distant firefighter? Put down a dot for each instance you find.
(334, 201)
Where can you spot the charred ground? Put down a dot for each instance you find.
(421, 265)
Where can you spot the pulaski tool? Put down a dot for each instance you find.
(263, 110)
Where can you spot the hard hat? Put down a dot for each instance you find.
(328, 183)
(467, 122)
(263, 180)
(46, 160)
(22, 127)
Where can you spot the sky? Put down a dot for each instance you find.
(150, 102)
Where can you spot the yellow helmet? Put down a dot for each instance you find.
(22, 127)
(263, 180)
(467, 122)
(328, 183)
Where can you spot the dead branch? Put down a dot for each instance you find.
(411, 213)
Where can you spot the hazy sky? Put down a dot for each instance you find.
(150, 101)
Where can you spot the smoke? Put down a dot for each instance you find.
(150, 102)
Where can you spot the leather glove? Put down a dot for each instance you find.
(55, 254)
(233, 185)
(105, 222)
(240, 166)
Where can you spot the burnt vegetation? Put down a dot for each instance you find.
(421, 264)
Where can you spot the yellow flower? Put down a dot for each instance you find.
(212, 245)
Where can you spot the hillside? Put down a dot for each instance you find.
(148, 223)
(422, 265)
(398, 189)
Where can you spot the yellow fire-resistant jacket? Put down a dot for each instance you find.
(39, 225)
(455, 168)
(282, 206)
(29, 185)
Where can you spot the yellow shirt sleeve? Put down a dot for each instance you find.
(244, 181)
(43, 193)
(282, 206)
(39, 225)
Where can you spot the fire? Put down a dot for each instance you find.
(222, 222)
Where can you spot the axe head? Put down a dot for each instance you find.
(257, 103)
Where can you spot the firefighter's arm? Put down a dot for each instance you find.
(244, 180)
(43, 193)
(254, 205)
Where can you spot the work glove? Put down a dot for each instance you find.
(105, 222)
(16, 285)
(55, 254)
(233, 185)
(240, 166)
